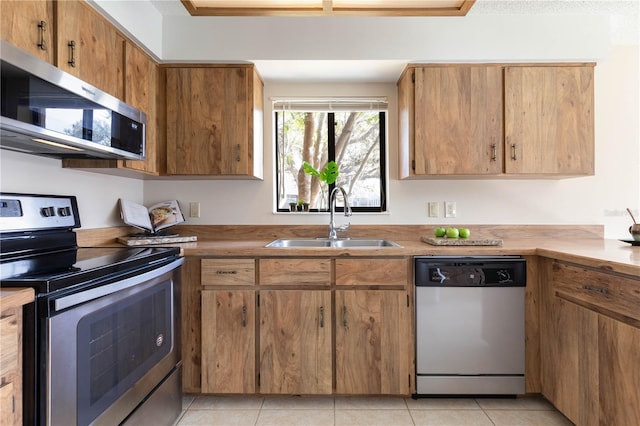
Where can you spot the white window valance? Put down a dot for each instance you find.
(330, 104)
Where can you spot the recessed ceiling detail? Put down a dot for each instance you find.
(328, 7)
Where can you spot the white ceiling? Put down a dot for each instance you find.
(623, 16)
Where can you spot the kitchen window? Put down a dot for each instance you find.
(350, 132)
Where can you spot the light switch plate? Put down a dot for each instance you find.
(450, 209)
(434, 211)
(194, 209)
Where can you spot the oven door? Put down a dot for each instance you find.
(106, 355)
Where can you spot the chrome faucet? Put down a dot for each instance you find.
(333, 231)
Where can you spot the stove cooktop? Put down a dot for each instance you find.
(60, 269)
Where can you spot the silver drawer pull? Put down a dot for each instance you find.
(596, 289)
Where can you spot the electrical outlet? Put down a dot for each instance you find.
(433, 209)
(194, 209)
(450, 209)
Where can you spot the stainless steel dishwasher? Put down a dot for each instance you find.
(470, 325)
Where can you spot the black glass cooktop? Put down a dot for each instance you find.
(60, 269)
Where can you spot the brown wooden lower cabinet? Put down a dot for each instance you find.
(372, 337)
(287, 328)
(295, 342)
(590, 353)
(228, 341)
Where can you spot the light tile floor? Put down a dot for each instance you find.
(369, 411)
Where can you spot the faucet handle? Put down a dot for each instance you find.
(344, 227)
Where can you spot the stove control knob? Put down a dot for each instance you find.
(64, 211)
(47, 211)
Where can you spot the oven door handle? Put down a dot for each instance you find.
(85, 296)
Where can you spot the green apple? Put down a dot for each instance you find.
(439, 232)
(452, 233)
(464, 232)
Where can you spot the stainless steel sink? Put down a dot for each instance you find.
(325, 242)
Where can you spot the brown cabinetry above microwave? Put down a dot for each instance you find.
(496, 120)
(30, 25)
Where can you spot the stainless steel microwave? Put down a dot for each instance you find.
(46, 111)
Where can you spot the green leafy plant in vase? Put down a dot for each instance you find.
(329, 174)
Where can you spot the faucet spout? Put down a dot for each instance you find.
(333, 230)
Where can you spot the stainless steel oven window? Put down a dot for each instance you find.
(68, 381)
(119, 344)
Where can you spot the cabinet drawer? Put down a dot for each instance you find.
(9, 345)
(606, 293)
(295, 271)
(371, 272)
(228, 272)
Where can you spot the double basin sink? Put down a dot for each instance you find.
(329, 243)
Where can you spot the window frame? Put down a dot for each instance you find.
(331, 139)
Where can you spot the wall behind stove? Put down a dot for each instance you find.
(97, 194)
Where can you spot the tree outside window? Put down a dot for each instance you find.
(352, 138)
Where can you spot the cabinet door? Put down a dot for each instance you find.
(30, 26)
(97, 55)
(549, 120)
(458, 120)
(619, 378)
(373, 350)
(228, 341)
(11, 366)
(209, 120)
(559, 348)
(295, 342)
(141, 91)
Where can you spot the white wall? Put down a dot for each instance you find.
(97, 194)
(599, 199)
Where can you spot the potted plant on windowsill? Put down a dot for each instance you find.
(302, 206)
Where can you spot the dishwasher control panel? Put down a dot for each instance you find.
(433, 271)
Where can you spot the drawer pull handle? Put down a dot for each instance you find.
(43, 27)
(223, 272)
(514, 154)
(244, 315)
(321, 316)
(596, 289)
(494, 150)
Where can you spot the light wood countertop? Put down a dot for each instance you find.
(610, 255)
(15, 297)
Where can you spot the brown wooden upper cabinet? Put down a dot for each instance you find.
(496, 120)
(142, 89)
(89, 47)
(214, 120)
(29, 25)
